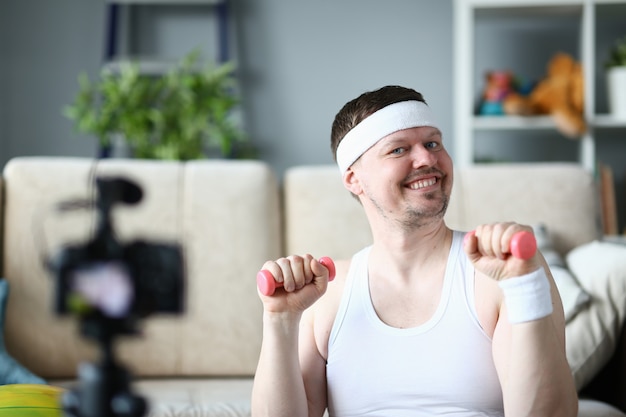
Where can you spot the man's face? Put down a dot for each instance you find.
(406, 176)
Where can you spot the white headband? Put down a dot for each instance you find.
(390, 119)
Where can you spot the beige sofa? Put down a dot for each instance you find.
(230, 216)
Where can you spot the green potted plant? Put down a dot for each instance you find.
(616, 78)
(188, 113)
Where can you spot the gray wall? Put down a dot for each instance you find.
(299, 62)
(45, 45)
(302, 60)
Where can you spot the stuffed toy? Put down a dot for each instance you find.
(501, 89)
(498, 86)
(559, 94)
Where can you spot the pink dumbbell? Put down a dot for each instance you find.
(267, 284)
(523, 244)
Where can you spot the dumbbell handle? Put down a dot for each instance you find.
(523, 245)
(267, 284)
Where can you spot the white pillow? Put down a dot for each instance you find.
(574, 298)
(591, 336)
(594, 408)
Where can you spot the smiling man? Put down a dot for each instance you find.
(425, 321)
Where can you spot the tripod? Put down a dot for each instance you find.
(104, 387)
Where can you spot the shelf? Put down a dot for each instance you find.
(538, 122)
(512, 122)
(601, 2)
(164, 2)
(529, 11)
(503, 4)
(608, 121)
(524, 35)
(130, 20)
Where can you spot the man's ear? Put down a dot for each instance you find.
(351, 182)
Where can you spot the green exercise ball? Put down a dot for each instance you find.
(30, 400)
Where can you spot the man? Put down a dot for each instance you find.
(425, 321)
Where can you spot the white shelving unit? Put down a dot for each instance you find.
(121, 35)
(574, 24)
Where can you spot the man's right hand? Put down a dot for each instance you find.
(304, 280)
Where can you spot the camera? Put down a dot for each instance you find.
(118, 282)
(110, 286)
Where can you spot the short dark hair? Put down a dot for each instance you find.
(356, 110)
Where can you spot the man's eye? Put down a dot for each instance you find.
(398, 151)
(432, 145)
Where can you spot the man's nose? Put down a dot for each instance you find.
(422, 157)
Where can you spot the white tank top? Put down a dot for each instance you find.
(444, 366)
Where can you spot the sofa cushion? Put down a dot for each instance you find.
(563, 196)
(193, 397)
(224, 211)
(592, 335)
(220, 397)
(592, 408)
(321, 216)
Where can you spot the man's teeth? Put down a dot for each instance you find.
(422, 183)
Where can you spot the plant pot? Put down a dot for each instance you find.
(117, 148)
(616, 91)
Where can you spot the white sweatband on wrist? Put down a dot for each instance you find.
(527, 297)
(390, 119)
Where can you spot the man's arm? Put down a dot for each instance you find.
(279, 386)
(532, 364)
(529, 336)
(313, 365)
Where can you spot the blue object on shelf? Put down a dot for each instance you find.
(491, 108)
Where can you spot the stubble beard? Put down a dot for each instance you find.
(415, 218)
